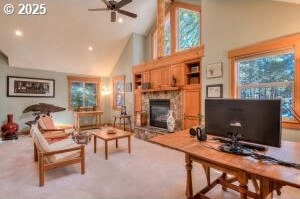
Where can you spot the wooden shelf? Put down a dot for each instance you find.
(160, 89)
(193, 73)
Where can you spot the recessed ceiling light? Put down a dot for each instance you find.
(19, 33)
(120, 20)
(91, 48)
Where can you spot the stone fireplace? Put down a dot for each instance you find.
(159, 110)
(173, 97)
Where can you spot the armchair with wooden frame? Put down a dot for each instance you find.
(54, 132)
(59, 154)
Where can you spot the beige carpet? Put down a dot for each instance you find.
(150, 172)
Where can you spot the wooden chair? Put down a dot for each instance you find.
(53, 132)
(59, 154)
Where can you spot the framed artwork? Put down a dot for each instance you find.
(214, 91)
(214, 70)
(128, 87)
(30, 87)
(118, 92)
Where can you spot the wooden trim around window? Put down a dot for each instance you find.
(274, 45)
(96, 80)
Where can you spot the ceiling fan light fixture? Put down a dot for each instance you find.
(113, 16)
(120, 20)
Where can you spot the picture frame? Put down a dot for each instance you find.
(128, 87)
(118, 92)
(30, 87)
(214, 91)
(214, 70)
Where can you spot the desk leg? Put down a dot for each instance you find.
(95, 144)
(266, 189)
(243, 188)
(129, 144)
(224, 177)
(189, 184)
(106, 150)
(117, 144)
(115, 121)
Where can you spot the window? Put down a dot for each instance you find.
(181, 29)
(269, 76)
(188, 29)
(83, 92)
(167, 36)
(269, 70)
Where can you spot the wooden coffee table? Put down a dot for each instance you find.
(103, 135)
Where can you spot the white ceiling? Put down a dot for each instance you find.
(289, 1)
(59, 40)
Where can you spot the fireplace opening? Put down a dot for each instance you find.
(159, 110)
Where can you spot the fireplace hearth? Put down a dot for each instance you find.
(159, 109)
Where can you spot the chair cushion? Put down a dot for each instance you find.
(43, 146)
(46, 122)
(65, 144)
(41, 142)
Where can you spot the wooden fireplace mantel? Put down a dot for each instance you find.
(185, 67)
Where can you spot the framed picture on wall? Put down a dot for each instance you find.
(118, 92)
(214, 91)
(30, 87)
(214, 70)
(128, 87)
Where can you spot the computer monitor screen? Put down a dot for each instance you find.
(258, 121)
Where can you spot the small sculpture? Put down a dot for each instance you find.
(173, 84)
(41, 109)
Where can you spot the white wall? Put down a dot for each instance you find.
(133, 53)
(230, 24)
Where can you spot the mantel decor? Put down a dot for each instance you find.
(30, 87)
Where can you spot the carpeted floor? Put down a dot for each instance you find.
(150, 172)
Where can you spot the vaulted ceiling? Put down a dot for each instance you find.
(59, 40)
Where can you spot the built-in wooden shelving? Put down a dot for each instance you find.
(192, 72)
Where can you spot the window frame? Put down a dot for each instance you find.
(172, 11)
(84, 80)
(266, 47)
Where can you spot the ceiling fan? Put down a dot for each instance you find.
(115, 7)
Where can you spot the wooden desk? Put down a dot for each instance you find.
(96, 114)
(270, 177)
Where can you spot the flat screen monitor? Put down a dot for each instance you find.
(258, 121)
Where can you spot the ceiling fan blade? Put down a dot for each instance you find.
(98, 9)
(107, 3)
(123, 3)
(129, 14)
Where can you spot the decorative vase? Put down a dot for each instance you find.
(171, 122)
(10, 129)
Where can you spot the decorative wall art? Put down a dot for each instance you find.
(30, 87)
(214, 91)
(128, 87)
(118, 92)
(214, 70)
